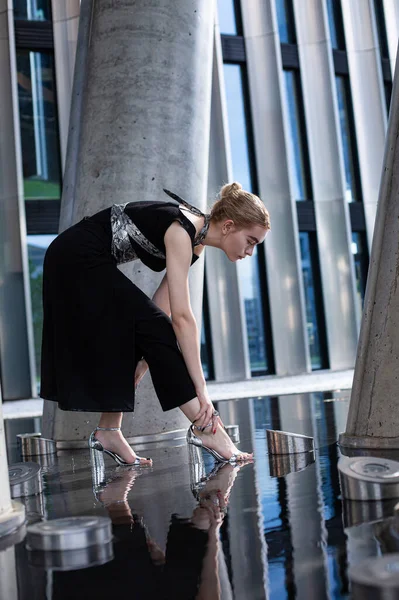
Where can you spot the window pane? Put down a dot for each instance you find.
(227, 17)
(285, 19)
(310, 298)
(32, 10)
(248, 268)
(37, 245)
(336, 25)
(39, 126)
(352, 187)
(381, 28)
(297, 145)
(360, 257)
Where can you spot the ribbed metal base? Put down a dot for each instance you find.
(70, 533)
(72, 560)
(367, 441)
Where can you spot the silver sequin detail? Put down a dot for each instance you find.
(123, 229)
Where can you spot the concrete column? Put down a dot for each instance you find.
(391, 13)
(286, 294)
(8, 579)
(16, 340)
(368, 97)
(65, 31)
(228, 326)
(327, 169)
(373, 419)
(144, 83)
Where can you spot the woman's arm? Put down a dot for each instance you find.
(178, 261)
(161, 296)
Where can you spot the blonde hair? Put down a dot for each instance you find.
(242, 207)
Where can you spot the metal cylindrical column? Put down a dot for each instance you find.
(16, 340)
(65, 31)
(368, 98)
(228, 327)
(144, 125)
(286, 295)
(373, 419)
(331, 208)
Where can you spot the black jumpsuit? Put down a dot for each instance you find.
(97, 324)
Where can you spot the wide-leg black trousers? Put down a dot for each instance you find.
(97, 325)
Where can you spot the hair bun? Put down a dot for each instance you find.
(230, 188)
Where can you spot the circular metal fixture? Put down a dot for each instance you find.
(376, 578)
(284, 442)
(355, 512)
(233, 431)
(70, 533)
(25, 479)
(368, 478)
(72, 560)
(33, 444)
(283, 464)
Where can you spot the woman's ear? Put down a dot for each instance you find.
(228, 226)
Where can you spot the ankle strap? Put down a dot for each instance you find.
(108, 428)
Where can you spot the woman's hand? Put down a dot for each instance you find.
(141, 370)
(206, 413)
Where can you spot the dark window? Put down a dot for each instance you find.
(348, 140)
(253, 288)
(39, 125)
(206, 344)
(229, 17)
(297, 142)
(286, 21)
(313, 296)
(388, 94)
(361, 260)
(336, 24)
(33, 10)
(381, 29)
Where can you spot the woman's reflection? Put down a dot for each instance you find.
(187, 570)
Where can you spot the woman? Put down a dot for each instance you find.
(101, 332)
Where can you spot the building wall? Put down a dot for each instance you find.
(287, 304)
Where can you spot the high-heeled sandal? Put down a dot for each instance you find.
(195, 444)
(97, 447)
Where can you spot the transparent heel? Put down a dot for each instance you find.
(97, 460)
(195, 455)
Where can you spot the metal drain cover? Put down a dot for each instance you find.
(71, 533)
(368, 478)
(284, 442)
(25, 479)
(72, 560)
(376, 578)
(33, 444)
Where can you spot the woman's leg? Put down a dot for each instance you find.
(219, 441)
(114, 440)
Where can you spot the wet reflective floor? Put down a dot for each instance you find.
(276, 528)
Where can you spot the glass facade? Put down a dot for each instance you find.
(32, 10)
(227, 17)
(248, 269)
(286, 21)
(336, 25)
(348, 140)
(37, 246)
(297, 144)
(39, 126)
(314, 308)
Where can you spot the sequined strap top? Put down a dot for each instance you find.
(124, 232)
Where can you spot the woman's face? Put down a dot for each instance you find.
(239, 243)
